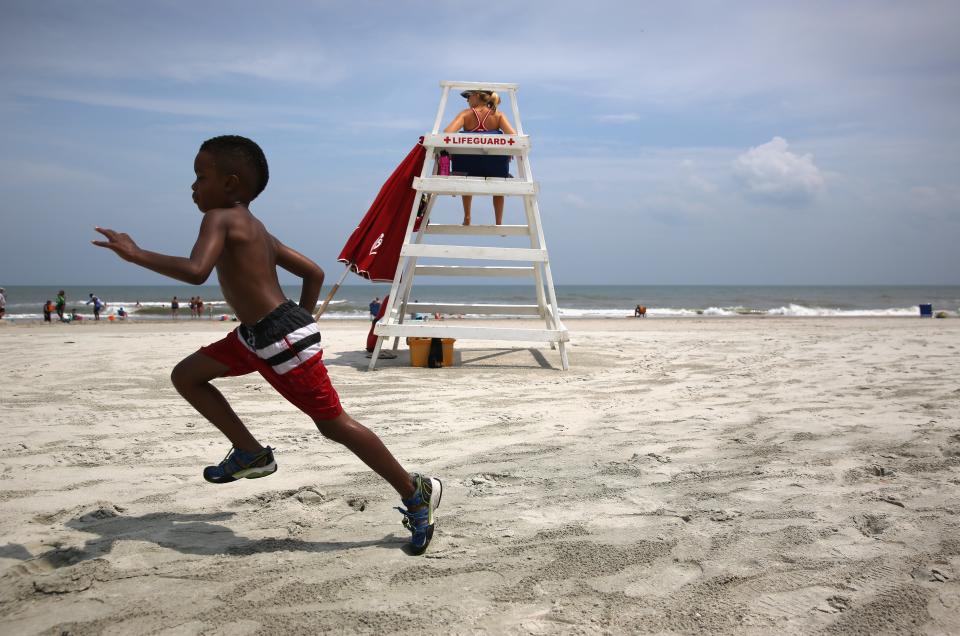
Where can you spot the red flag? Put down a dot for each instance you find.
(373, 250)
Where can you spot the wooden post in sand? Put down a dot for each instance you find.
(333, 291)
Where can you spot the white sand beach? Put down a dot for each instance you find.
(745, 475)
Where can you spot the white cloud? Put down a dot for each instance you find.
(103, 44)
(773, 173)
(696, 182)
(936, 204)
(940, 196)
(32, 173)
(289, 64)
(220, 109)
(623, 118)
(387, 124)
(576, 201)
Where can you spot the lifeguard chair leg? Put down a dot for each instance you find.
(535, 243)
(376, 353)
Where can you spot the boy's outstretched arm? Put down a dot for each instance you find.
(193, 270)
(299, 265)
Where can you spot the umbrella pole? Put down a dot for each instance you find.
(330, 296)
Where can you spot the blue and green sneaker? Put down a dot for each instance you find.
(418, 516)
(240, 464)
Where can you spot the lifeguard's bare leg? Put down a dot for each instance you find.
(467, 201)
(498, 210)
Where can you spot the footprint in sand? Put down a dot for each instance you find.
(871, 525)
(931, 575)
(357, 503)
(724, 515)
(840, 603)
(82, 514)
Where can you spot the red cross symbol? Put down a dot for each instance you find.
(446, 140)
(510, 141)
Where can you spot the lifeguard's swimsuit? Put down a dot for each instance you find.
(481, 165)
(284, 347)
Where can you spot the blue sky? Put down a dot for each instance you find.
(696, 143)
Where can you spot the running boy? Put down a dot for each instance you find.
(277, 337)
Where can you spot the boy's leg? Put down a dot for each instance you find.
(365, 444)
(191, 377)
(420, 494)
(467, 201)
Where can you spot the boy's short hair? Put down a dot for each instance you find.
(238, 155)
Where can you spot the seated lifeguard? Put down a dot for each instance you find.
(481, 117)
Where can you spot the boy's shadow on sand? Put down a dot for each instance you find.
(185, 533)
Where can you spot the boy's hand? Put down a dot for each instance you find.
(119, 242)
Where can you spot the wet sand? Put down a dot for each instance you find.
(745, 475)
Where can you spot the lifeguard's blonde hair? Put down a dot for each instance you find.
(493, 100)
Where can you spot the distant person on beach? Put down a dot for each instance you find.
(48, 311)
(193, 307)
(639, 311)
(61, 303)
(277, 337)
(97, 305)
(3, 302)
(481, 117)
(199, 307)
(122, 313)
(374, 308)
(174, 308)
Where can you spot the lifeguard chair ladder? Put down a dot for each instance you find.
(414, 248)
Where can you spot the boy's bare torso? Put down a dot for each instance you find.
(247, 266)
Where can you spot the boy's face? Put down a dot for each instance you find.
(211, 189)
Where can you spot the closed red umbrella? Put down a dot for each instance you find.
(373, 250)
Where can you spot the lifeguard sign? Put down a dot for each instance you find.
(415, 248)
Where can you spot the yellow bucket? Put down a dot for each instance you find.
(420, 351)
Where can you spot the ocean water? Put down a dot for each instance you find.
(595, 301)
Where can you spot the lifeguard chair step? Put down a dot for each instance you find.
(478, 230)
(475, 270)
(477, 333)
(473, 308)
(489, 186)
(467, 251)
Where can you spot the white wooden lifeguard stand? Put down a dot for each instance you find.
(414, 247)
